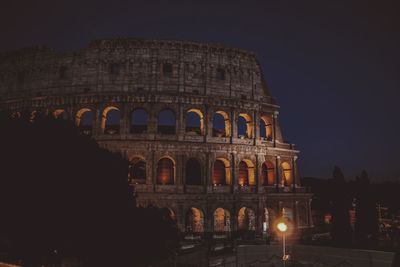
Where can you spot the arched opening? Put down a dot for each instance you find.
(268, 221)
(246, 219)
(110, 120)
(287, 213)
(221, 172)
(165, 172)
(166, 122)
(245, 126)
(268, 174)
(222, 221)
(84, 120)
(139, 119)
(246, 173)
(168, 214)
(194, 122)
(286, 174)
(60, 114)
(193, 172)
(137, 171)
(194, 221)
(221, 124)
(266, 128)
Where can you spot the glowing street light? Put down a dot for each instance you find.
(282, 227)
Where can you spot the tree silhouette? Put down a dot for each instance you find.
(63, 196)
(341, 229)
(366, 227)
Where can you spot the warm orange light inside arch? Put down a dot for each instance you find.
(268, 173)
(246, 173)
(195, 220)
(79, 114)
(227, 122)
(221, 220)
(58, 113)
(104, 116)
(165, 171)
(268, 126)
(200, 114)
(226, 172)
(249, 124)
(246, 219)
(287, 173)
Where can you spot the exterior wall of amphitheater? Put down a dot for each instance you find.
(183, 77)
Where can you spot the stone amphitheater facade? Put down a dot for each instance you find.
(168, 98)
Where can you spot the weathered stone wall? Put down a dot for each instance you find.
(155, 75)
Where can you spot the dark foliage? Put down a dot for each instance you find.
(341, 229)
(63, 196)
(366, 227)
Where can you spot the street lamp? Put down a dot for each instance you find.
(282, 227)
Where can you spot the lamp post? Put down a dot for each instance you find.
(282, 227)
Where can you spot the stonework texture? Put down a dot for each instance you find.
(259, 169)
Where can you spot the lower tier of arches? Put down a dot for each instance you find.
(227, 215)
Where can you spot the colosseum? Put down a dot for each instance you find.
(196, 122)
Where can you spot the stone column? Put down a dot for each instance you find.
(274, 121)
(277, 171)
(234, 185)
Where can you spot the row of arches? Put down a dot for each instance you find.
(221, 172)
(166, 122)
(222, 220)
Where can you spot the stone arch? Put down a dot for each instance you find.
(221, 172)
(139, 121)
(221, 124)
(137, 170)
(165, 171)
(194, 122)
(246, 173)
(246, 219)
(60, 114)
(84, 120)
(168, 213)
(266, 127)
(193, 172)
(287, 178)
(269, 219)
(110, 120)
(194, 221)
(166, 122)
(267, 174)
(222, 220)
(245, 126)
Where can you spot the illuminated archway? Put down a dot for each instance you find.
(166, 122)
(266, 127)
(221, 124)
(193, 172)
(245, 126)
(110, 120)
(165, 171)
(137, 171)
(287, 178)
(84, 120)
(194, 122)
(246, 219)
(60, 114)
(194, 221)
(222, 220)
(246, 173)
(268, 173)
(139, 120)
(221, 172)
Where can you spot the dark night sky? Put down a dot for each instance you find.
(333, 65)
